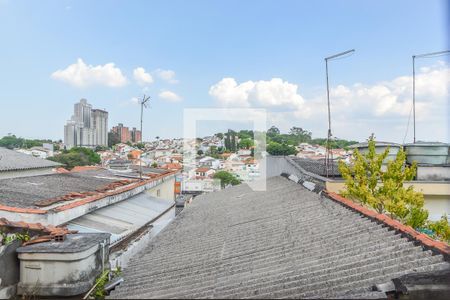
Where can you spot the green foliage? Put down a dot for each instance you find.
(107, 276)
(113, 139)
(219, 135)
(226, 178)
(200, 152)
(100, 148)
(246, 143)
(6, 239)
(11, 142)
(368, 184)
(77, 156)
(440, 229)
(275, 148)
(335, 144)
(154, 165)
(140, 146)
(273, 131)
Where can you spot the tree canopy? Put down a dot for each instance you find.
(77, 156)
(226, 178)
(11, 142)
(368, 183)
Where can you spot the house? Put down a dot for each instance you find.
(286, 242)
(15, 164)
(204, 172)
(209, 162)
(122, 204)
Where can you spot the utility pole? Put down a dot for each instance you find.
(425, 55)
(329, 152)
(143, 104)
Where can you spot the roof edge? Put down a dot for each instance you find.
(426, 241)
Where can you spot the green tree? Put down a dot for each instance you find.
(226, 178)
(113, 139)
(154, 165)
(219, 135)
(77, 156)
(366, 182)
(275, 148)
(140, 145)
(200, 152)
(245, 143)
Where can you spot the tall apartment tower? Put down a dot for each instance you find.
(100, 124)
(87, 127)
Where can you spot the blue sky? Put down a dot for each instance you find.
(225, 54)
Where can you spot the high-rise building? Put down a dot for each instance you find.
(87, 127)
(126, 135)
(136, 136)
(100, 124)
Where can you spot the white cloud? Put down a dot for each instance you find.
(394, 98)
(167, 75)
(142, 78)
(356, 110)
(169, 96)
(270, 93)
(80, 74)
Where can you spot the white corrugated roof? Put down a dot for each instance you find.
(123, 218)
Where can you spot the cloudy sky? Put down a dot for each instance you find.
(226, 54)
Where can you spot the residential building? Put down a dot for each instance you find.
(14, 164)
(126, 135)
(87, 127)
(100, 124)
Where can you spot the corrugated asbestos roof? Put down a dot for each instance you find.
(285, 242)
(317, 166)
(11, 160)
(123, 218)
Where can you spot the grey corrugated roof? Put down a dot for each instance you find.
(285, 242)
(25, 191)
(317, 166)
(11, 160)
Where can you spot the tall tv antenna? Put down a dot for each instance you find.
(329, 165)
(143, 102)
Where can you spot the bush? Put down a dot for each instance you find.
(383, 190)
(77, 156)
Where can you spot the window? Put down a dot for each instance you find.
(158, 193)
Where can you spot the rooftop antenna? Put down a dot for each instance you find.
(329, 153)
(425, 55)
(143, 104)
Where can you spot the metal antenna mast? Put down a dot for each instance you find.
(143, 104)
(431, 54)
(329, 152)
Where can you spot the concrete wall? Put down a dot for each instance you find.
(61, 274)
(166, 189)
(433, 173)
(436, 195)
(9, 270)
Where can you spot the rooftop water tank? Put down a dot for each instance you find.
(428, 153)
(380, 147)
(66, 268)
